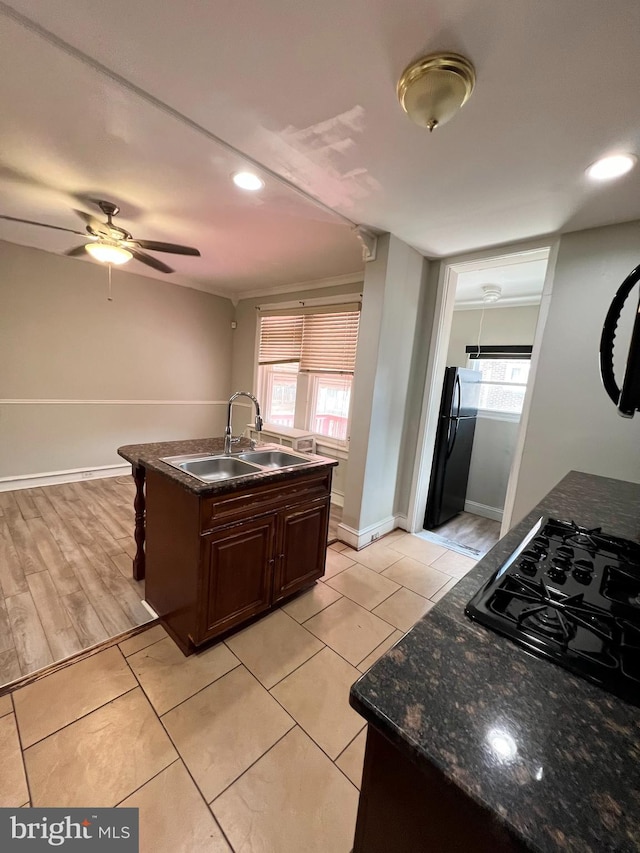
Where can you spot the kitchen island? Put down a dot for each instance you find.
(143, 456)
(476, 745)
(236, 537)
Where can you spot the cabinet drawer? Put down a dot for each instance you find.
(261, 499)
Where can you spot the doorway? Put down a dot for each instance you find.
(488, 328)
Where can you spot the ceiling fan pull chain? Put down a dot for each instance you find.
(109, 296)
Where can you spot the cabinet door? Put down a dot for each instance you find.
(302, 546)
(237, 574)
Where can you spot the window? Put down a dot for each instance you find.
(329, 409)
(305, 370)
(278, 392)
(505, 373)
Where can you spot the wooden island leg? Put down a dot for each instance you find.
(139, 505)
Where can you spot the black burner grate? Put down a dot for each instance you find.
(571, 594)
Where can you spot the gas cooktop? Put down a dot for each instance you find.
(571, 595)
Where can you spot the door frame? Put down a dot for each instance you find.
(448, 273)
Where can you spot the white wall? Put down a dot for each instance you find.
(494, 445)
(415, 391)
(61, 340)
(393, 287)
(573, 424)
(513, 325)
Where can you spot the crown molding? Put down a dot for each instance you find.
(335, 281)
(503, 302)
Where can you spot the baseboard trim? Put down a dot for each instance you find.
(359, 539)
(482, 509)
(402, 521)
(337, 498)
(73, 475)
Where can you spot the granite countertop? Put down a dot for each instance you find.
(150, 456)
(450, 687)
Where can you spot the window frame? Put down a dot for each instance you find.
(314, 380)
(307, 381)
(506, 353)
(265, 392)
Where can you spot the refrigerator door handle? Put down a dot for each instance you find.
(458, 388)
(455, 433)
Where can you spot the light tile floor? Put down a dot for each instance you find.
(249, 745)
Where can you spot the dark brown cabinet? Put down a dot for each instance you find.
(237, 574)
(213, 563)
(302, 547)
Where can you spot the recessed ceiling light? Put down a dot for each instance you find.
(248, 181)
(611, 167)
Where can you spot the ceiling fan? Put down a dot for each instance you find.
(111, 244)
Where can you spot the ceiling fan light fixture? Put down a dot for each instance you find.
(432, 89)
(108, 253)
(248, 181)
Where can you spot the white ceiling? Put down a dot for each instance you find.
(308, 90)
(519, 276)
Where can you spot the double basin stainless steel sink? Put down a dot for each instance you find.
(212, 469)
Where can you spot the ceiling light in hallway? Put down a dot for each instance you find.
(491, 292)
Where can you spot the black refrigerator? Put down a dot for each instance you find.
(454, 443)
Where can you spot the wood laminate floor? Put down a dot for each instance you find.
(471, 531)
(65, 571)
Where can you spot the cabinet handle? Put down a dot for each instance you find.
(281, 556)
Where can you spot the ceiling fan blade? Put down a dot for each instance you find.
(154, 246)
(90, 220)
(149, 261)
(41, 224)
(77, 252)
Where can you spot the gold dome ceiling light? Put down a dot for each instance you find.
(432, 89)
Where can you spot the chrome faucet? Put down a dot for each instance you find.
(228, 436)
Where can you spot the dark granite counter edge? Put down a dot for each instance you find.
(410, 748)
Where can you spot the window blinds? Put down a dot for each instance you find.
(320, 342)
(280, 339)
(499, 351)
